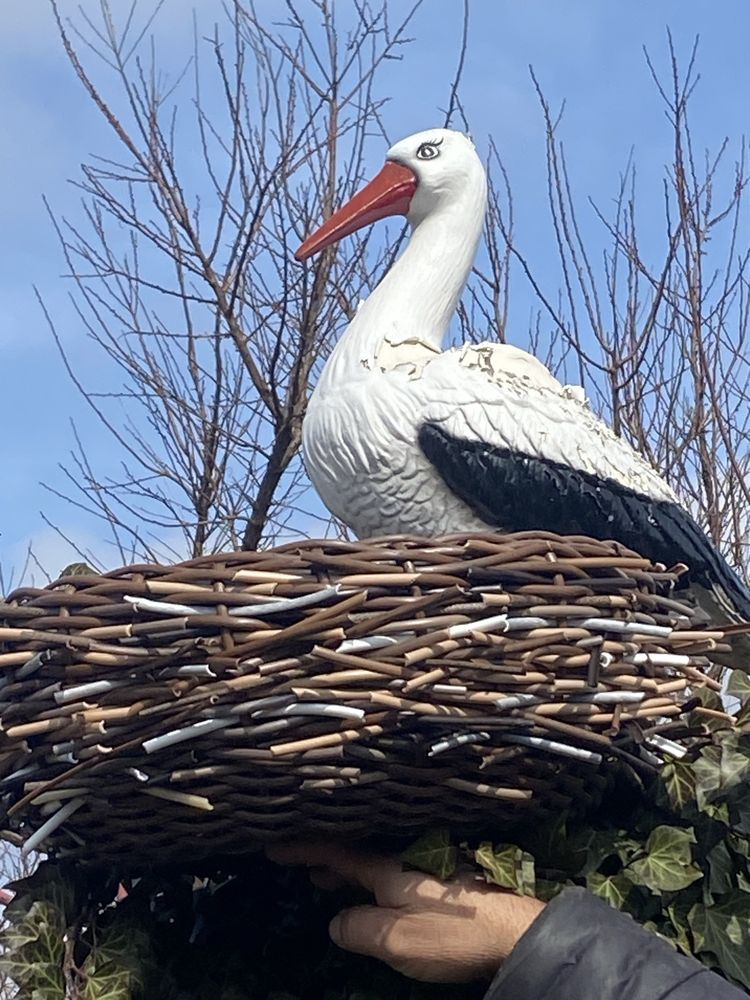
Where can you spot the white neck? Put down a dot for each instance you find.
(419, 295)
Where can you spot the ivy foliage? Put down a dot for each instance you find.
(679, 862)
(675, 854)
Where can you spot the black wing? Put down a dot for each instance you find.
(517, 492)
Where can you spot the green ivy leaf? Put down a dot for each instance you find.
(678, 781)
(507, 866)
(707, 773)
(743, 717)
(738, 808)
(718, 812)
(659, 930)
(678, 918)
(721, 869)
(724, 930)
(739, 685)
(739, 844)
(115, 966)
(561, 851)
(667, 866)
(735, 762)
(605, 844)
(614, 889)
(433, 853)
(34, 949)
(547, 889)
(721, 771)
(709, 699)
(107, 981)
(550, 840)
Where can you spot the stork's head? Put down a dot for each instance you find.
(422, 173)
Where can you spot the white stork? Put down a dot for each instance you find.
(402, 436)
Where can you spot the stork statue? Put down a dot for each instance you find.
(402, 436)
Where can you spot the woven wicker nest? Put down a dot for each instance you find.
(172, 713)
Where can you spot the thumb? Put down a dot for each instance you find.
(365, 930)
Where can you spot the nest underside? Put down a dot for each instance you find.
(166, 714)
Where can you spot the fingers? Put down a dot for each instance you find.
(377, 874)
(420, 945)
(367, 930)
(333, 866)
(425, 892)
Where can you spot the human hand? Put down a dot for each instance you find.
(430, 930)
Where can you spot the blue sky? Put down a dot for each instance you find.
(588, 52)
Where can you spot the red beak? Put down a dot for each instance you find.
(389, 193)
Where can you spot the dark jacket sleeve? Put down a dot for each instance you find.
(582, 949)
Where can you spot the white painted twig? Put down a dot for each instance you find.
(497, 623)
(369, 642)
(609, 697)
(49, 827)
(659, 659)
(164, 607)
(188, 733)
(182, 798)
(22, 772)
(666, 746)
(274, 607)
(195, 670)
(456, 740)
(58, 796)
(32, 665)
(615, 625)
(528, 622)
(318, 708)
(552, 746)
(517, 701)
(82, 691)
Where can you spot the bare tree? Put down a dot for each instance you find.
(659, 343)
(214, 330)
(216, 334)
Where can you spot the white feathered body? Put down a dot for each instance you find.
(360, 435)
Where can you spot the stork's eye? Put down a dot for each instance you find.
(428, 151)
